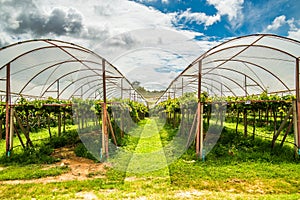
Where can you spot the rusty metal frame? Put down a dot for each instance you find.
(7, 109)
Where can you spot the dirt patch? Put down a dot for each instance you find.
(191, 194)
(86, 195)
(80, 168)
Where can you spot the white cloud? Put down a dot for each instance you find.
(277, 23)
(198, 17)
(231, 8)
(119, 27)
(294, 34)
(280, 21)
(5, 39)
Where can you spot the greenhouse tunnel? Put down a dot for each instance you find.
(39, 69)
(242, 67)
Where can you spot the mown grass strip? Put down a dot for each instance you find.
(148, 158)
(30, 172)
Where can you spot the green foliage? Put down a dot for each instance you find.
(81, 151)
(70, 138)
(233, 147)
(28, 172)
(33, 155)
(40, 153)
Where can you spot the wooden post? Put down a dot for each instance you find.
(122, 88)
(59, 123)
(1, 122)
(297, 110)
(199, 135)
(57, 89)
(181, 86)
(104, 114)
(295, 118)
(11, 131)
(7, 108)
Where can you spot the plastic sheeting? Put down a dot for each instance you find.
(247, 65)
(52, 68)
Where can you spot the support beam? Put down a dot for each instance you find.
(297, 121)
(199, 134)
(57, 89)
(7, 109)
(104, 115)
(11, 131)
(122, 88)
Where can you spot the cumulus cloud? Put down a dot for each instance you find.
(5, 39)
(198, 17)
(162, 1)
(282, 23)
(59, 22)
(277, 23)
(231, 8)
(294, 34)
(120, 31)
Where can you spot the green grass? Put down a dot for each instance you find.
(30, 172)
(238, 167)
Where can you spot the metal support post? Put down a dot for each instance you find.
(7, 110)
(297, 121)
(104, 114)
(199, 134)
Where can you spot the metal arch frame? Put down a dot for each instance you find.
(108, 88)
(204, 78)
(75, 71)
(96, 85)
(246, 47)
(260, 36)
(249, 77)
(45, 69)
(65, 75)
(63, 48)
(207, 85)
(241, 37)
(227, 87)
(222, 77)
(43, 40)
(232, 80)
(89, 88)
(256, 65)
(60, 63)
(40, 48)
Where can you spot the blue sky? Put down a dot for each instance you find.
(147, 39)
(254, 17)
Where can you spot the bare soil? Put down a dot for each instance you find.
(80, 168)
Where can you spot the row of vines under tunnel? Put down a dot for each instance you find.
(242, 115)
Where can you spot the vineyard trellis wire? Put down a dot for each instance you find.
(241, 67)
(44, 68)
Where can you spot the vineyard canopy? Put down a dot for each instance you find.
(243, 66)
(57, 69)
(239, 67)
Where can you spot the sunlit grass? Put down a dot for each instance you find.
(237, 168)
(28, 172)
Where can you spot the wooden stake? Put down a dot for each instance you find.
(28, 142)
(282, 126)
(11, 131)
(111, 129)
(20, 138)
(7, 108)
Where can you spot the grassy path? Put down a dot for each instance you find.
(148, 158)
